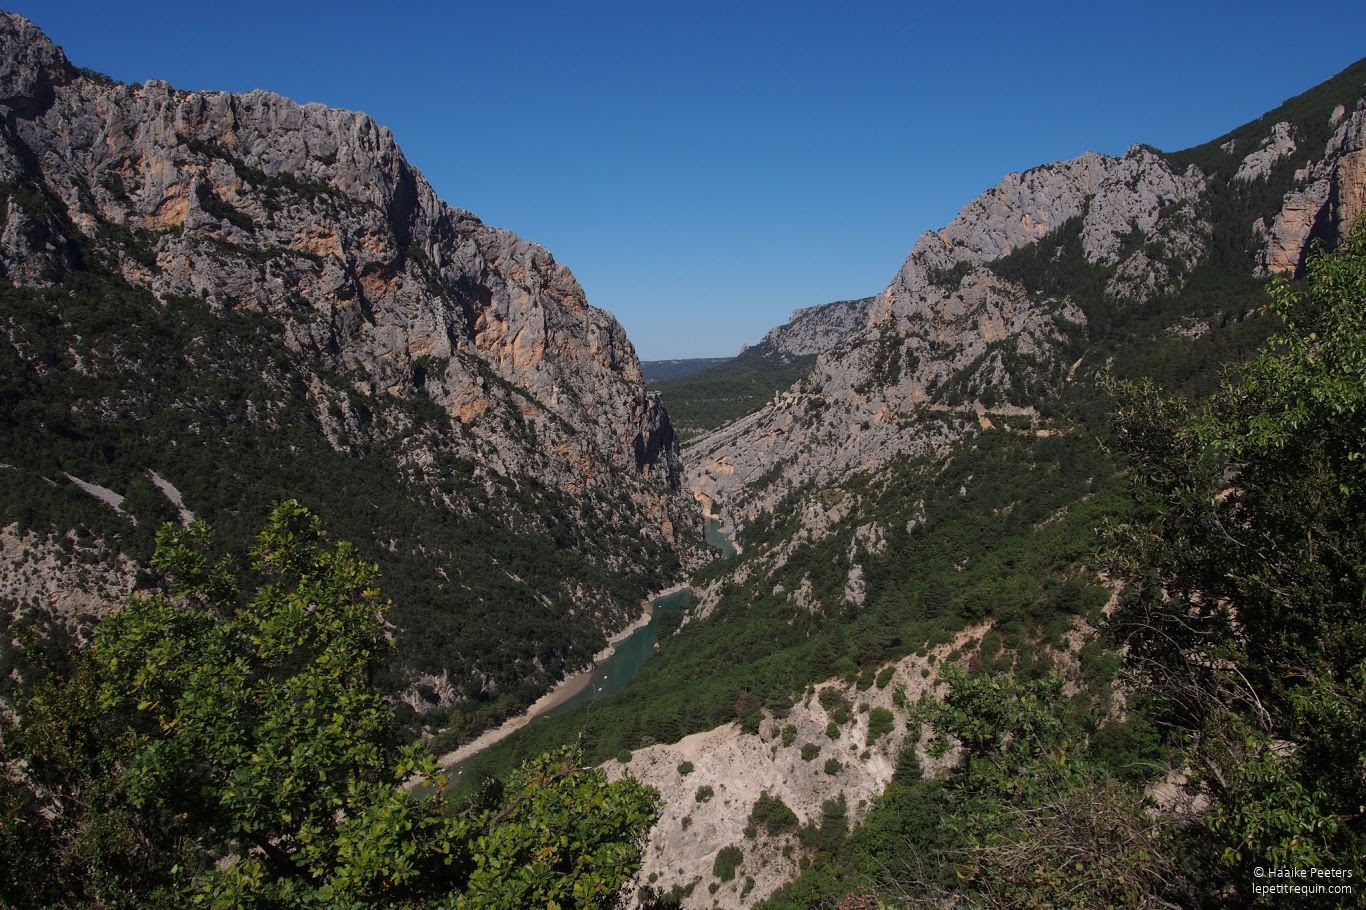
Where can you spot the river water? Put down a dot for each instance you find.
(613, 674)
(626, 659)
(620, 668)
(717, 538)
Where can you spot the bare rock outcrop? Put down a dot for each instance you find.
(1329, 196)
(951, 341)
(65, 576)
(817, 329)
(1257, 165)
(711, 780)
(313, 215)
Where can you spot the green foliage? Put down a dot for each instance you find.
(685, 768)
(101, 380)
(1244, 607)
(1008, 550)
(833, 766)
(561, 836)
(773, 815)
(223, 745)
(884, 676)
(810, 751)
(789, 735)
(728, 859)
(880, 722)
(1131, 748)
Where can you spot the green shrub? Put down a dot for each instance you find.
(728, 859)
(773, 814)
(833, 766)
(685, 768)
(880, 722)
(789, 735)
(810, 751)
(884, 677)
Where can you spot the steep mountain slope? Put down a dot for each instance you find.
(216, 300)
(963, 333)
(944, 470)
(817, 329)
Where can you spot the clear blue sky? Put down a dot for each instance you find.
(706, 167)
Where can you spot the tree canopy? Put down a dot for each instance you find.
(1245, 610)
(221, 744)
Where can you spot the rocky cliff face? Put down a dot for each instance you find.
(1329, 193)
(817, 329)
(313, 215)
(950, 341)
(984, 319)
(269, 292)
(952, 438)
(792, 758)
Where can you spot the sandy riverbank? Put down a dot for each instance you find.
(565, 690)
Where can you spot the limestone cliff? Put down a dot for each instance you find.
(1329, 194)
(950, 340)
(819, 753)
(817, 329)
(251, 297)
(987, 317)
(314, 215)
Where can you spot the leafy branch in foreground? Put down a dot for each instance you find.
(1245, 611)
(224, 746)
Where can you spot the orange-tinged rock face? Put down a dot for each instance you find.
(471, 409)
(375, 243)
(378, 285)
(1351, 187)
(319, 240)
(170, 212)
(313, 216)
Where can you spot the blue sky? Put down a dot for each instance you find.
(704, 168)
